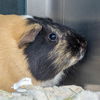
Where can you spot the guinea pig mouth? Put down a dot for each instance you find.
(79, 56)
(74, 60)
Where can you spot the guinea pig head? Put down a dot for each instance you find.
(55, 48)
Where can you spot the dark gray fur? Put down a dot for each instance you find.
(40, 64)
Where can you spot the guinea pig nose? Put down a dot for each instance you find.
(84, 44)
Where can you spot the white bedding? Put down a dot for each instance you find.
(25, 91)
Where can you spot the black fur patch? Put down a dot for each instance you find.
(40, 63)
(75, 42)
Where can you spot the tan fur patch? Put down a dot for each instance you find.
(63, 60)
(13, 63)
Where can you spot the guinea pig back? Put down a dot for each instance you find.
(15, 33)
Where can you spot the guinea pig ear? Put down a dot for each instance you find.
(30, 36)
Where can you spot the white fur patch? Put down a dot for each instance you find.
(54, 81)
(24, 82)
(27, 16)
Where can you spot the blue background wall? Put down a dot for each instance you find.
(12, 6)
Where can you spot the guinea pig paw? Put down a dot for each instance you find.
(22, 85)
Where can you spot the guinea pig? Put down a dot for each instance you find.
(37, 48)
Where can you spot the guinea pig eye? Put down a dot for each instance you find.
(52, 37)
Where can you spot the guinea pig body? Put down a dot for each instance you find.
(37, 48)
(13, 62)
